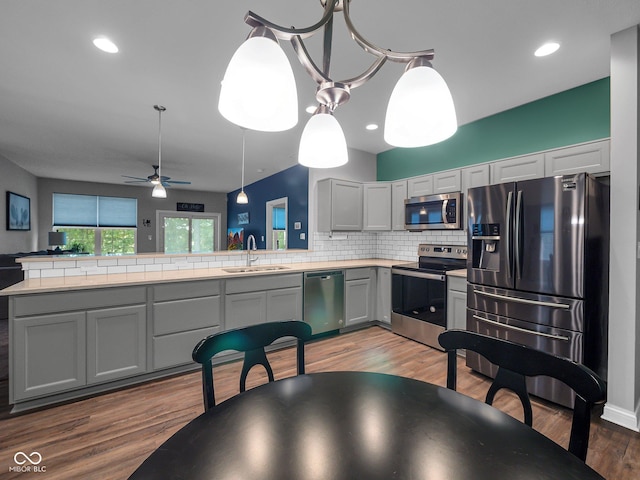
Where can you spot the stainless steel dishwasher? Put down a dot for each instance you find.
(324, 300)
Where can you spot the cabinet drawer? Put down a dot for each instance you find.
(183, 315)
(457, 283)
(182, 290)
(269, 282)
(78, 300)
(176, 349)
(357, 273)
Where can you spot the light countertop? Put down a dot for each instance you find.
(458, 273)
(60, 284)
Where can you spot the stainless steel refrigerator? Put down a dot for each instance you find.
(537, 271)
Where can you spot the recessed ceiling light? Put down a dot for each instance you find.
(106, 45)
(372, 126)
(547, 49)
(311, 109)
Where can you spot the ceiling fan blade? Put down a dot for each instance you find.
(136, 181)
(178, 181)
(136, 178)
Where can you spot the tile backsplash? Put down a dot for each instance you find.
(397, 245)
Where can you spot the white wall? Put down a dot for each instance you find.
(17, 180)
(624, 293)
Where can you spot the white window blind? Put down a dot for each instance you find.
(73, 210)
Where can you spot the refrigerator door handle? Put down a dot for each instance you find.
(522, 300)
(525, 330)
(517, 235)
(508, 235)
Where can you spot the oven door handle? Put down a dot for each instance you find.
(522, 300)
(524, 330)
(409, 273)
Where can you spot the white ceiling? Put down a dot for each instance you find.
(68, 110)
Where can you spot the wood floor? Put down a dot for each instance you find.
(106, 437)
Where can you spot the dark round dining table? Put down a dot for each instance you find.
(358, 425)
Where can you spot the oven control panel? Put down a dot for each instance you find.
(443, 251)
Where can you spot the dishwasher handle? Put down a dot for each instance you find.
(324, 275)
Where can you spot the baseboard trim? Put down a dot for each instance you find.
(620, 416)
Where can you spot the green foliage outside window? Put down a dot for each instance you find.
(114, 241)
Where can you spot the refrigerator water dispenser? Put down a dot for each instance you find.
(486, 246)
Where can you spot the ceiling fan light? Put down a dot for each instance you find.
(322, 144)
(258, 90)
(159, 191)
(420, 111)
(242, 198)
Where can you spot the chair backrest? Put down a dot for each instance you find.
(250, 340)
(515, 362)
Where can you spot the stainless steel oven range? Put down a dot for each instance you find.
(419, 292)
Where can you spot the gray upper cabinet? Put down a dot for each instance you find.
(475, 176)
(518, 168)
(447, 181)
(377, 206)
(590, 157)
(420, 186)
(339, 205)
(398, 196)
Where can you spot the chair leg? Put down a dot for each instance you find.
(579, 439)
(452, 369)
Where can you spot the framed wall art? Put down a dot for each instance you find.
(243, 218)
(18, 212)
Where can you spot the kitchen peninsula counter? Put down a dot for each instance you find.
(83, 282)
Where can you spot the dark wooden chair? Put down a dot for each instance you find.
(251, 340)
(516, 362)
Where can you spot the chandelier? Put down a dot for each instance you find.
(259, 91)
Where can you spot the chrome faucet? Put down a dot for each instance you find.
(251, 239)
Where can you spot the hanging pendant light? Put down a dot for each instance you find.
(158, 190)
(322, 144)
(420, 111)
(259, 90)
(242, 197)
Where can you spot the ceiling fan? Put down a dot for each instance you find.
(155, 179)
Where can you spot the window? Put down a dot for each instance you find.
(187, 232)
(97, 225)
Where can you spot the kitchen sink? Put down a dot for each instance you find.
(261, 268)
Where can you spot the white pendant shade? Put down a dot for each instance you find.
(420, 111)
(259, 91)
(242, 198)
(322, 144)
(159, 191)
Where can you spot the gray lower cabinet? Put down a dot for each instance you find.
(383, 298)
(270, 298)
(183, 314)
(49, 355)
(456, 302)
(69, 340)
(116, 343)
(359, 288)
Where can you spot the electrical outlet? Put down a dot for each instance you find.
(303, 236)
(297, 226)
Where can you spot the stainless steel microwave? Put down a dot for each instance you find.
(433, 212)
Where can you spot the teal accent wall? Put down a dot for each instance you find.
(574, 116)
